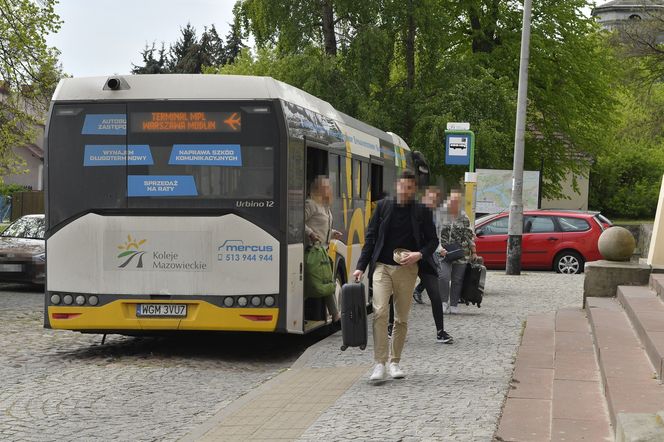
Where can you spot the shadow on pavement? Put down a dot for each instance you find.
(17, 287)
(221, 346)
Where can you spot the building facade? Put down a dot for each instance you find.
(614, 14)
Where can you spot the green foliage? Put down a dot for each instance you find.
(626, 184)
(10, 189)
(152, 64)
(28, 74)
(626, 178)
(465, 61)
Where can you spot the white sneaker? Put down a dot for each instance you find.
(446, 307)
(378, 373)
(454, 310)
(396, 372)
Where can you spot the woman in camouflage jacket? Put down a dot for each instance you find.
(456, 229)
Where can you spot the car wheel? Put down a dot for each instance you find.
(568, 262)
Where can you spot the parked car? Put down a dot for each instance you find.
(22, 253)
(562, 240)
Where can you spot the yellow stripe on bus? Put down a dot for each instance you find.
(201, 315)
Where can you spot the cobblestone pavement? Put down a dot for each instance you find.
(61, 385)
(452, 392)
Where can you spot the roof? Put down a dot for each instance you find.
(554, 212)
(206, 87)
(629, 5)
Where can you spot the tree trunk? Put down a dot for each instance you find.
(484, 34)
(329, 37)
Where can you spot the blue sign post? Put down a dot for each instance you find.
(460, 148)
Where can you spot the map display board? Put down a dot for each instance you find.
(494, 190)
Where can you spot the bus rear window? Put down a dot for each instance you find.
(175, 155)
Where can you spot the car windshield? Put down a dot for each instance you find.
(27, 227)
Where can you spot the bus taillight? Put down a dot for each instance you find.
(65, 315)
(260, 318)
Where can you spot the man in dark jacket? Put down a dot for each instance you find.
(401, 224)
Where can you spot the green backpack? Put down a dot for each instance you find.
(318, 280)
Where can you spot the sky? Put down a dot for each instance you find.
(105, 38)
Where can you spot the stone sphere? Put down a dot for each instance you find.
(616, 244)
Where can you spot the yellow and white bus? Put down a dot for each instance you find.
(176, 202)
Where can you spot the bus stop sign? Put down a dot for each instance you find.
(457, 148)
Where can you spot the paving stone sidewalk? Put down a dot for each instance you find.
(452, 392)
(62, 386)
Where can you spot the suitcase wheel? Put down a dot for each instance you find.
(362, 347)
(344, 347)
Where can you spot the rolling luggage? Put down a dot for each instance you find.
(473, 284)
(353, 316)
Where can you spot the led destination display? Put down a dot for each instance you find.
(186, 122)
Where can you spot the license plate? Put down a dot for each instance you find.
(162, 310)
(11, 268)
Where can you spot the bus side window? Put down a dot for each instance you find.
(334, 174)
(376, 182)
(357, 179)
(389, 180)
(364, 180)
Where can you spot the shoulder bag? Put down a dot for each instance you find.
(454, 249)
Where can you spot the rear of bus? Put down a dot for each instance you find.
(163, 212)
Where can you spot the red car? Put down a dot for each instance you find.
(560, 240)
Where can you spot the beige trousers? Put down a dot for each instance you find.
(391, 280)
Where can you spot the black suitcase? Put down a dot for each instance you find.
(353, 316)
(473, 284)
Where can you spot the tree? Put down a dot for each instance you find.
(642, 41)
(184, 55)
(626, 176)
(234, 44)
(152, 64)
(212, 50)
(411, 66)
(293, 25)
(188, 55)
(29, 73)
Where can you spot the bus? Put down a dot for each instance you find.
(176, 202)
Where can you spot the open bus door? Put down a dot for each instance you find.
(317, 163)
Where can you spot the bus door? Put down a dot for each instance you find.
(317, 164)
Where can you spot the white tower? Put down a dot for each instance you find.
(616, 13)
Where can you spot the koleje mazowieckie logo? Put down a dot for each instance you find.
(131, 251)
